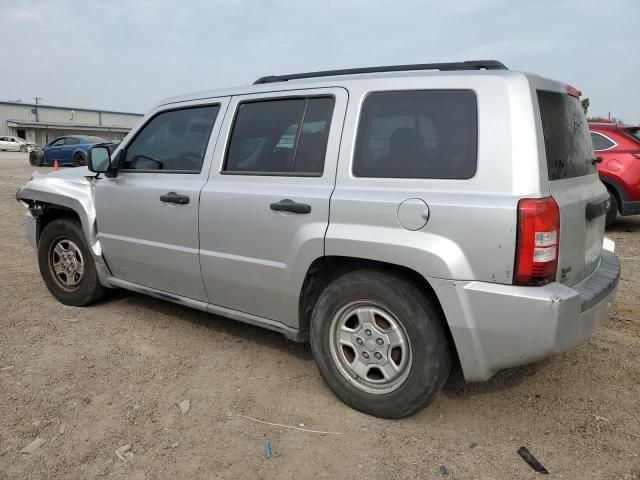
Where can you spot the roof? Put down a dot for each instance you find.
(82, 109)
(336, 81)
(611, 125)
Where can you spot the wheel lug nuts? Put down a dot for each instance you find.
(378, 355)
(379, 341)
(359, 341)
(365, 355)
(367, 332)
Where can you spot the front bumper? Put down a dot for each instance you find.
(496, 326)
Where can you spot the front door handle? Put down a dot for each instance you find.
(173, 197)
(287, 205)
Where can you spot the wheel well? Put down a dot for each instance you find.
(325, 270)
(613, 190)
(46, 213)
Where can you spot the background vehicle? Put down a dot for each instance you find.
(68, 151)
(619, 147)
(361, 213)
(16, 144)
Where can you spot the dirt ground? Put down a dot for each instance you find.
(92, 380)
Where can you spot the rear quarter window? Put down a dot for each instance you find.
(566, 136)
(417, 134)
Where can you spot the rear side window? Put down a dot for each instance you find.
(600, 142)
(634, 133)
(71, 141)
(566, 136)
(280, 137)
(417, 134)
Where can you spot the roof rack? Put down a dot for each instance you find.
(468, 65)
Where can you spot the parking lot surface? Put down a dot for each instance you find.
(174, 385)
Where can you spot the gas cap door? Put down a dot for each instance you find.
(413, 214)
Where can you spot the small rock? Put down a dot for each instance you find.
(33, 446)
(62, 428)
(473, 445)
(72, 320)
(444, 470)
(175, 445)
(123, 453)
(184, 406)
(301, 424)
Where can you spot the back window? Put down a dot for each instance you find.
(566, 136)
(417, 134)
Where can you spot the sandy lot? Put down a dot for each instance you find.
(91, 380)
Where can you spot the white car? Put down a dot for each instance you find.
(16, 144)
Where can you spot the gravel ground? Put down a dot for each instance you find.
(92, 380)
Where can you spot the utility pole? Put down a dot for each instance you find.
(35, 110)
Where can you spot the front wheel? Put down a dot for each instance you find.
(378, 340)
(35, 158)
(66, 264)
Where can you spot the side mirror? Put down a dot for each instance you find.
(99, 159)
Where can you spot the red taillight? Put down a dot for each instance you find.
(538, 241)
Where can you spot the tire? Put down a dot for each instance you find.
(612, 213)
(80, 160)
(68, 236)
(35, 159)
(399, 306)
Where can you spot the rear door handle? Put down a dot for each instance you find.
(286, 205)
(173, 197)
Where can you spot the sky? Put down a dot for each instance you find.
(129, 55)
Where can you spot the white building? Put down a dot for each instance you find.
(42, 123)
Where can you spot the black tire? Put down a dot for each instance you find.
(80, 160)
(612, 213)
(89, 288)
(421, 320)
(35, 158)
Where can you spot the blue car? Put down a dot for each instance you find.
(70, 151)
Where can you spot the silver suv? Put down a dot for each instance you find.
(400, 219)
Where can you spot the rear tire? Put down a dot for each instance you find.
(612, 213)
(80, 160)
(66, 264)
(366, 315)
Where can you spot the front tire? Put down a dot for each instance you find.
(612, 213)
(35, 158)
(378, 341)
(66, 264)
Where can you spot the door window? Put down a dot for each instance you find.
(172, 141)
(71, 141)
(280, 137)
(58, 143)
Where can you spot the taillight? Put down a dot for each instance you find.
(537, 242)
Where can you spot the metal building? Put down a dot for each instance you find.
(42, 123)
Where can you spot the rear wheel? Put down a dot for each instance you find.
(378, 341)
(66, 264)
(612, 213)
(80, 160)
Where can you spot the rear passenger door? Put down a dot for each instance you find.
(265, 209)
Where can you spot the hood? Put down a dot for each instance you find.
(69, 173)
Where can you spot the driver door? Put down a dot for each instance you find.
(147, 216)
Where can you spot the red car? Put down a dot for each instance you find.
(619, 147)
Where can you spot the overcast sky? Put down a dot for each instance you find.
(128, 55)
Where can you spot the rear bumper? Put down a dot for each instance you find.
(496, 326)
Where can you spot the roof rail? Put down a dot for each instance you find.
(468, 65)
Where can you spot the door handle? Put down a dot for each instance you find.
(287, 205)
(173, 197)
